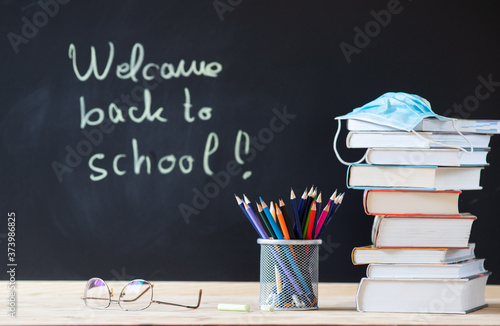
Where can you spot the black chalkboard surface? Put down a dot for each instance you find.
(127, 126)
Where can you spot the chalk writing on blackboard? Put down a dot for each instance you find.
(94, 115)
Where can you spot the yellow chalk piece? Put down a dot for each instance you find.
(233, 307)
(269, 308)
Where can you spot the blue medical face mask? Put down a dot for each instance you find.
(397, 110)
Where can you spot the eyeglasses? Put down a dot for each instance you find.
(136, 295)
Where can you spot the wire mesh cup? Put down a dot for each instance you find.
(289, 274)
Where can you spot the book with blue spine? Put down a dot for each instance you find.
(413, 177)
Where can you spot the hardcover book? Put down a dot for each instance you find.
(393, 231)
(451, 270)
(410, 140)
(462, 295)
(407, 177)
(430, 156)
(411, 202)
(372, 255)
(431, 124)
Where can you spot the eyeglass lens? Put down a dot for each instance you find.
(97, 294)
(136, 295)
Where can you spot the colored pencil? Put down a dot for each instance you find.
(256, 222)
(333, 209)
(240, 203)
(309, 220)
(297, 228)
(307, 211)
(270, 218)
(277, 276)
(321, 220)
(302, 204)
(307, 205)
(264, 219)
(340, 201)
(248, 202)
(312, 215)
(318, 213)
(332, 198)
(272, 210)
(284, 228)
(263, 235)
(335, 206)
(288, 220)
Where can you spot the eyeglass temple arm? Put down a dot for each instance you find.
(180, 305)
(140, 295)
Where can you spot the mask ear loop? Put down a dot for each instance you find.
(447, 145)
(336, 151)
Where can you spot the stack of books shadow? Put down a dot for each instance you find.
(420, 259)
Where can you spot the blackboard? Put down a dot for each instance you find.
(130, 171)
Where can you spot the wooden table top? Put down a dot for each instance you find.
(59, 303)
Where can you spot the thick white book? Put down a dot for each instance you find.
(398, 139)
(409, 202)
(367, 176)
(430, 156)
(457, 296)
(432, 124)
(400, 231)
(372, 255)
(452, 270)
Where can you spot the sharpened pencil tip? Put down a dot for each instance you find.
(262, 202)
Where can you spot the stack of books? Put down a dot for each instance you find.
(420, 259)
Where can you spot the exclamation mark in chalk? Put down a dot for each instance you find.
(242, 146)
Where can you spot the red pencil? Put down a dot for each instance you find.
(312, 217)
(321, 220)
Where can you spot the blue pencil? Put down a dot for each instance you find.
(255, 223)
(265, 221)
(240, 203)
(302, 203)
(270, 218)
(332, 198)
(335, 206)
(247, 201)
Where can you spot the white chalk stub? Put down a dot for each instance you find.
(233, 307)
(267, 308)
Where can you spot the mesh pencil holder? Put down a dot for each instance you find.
(289, 274)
